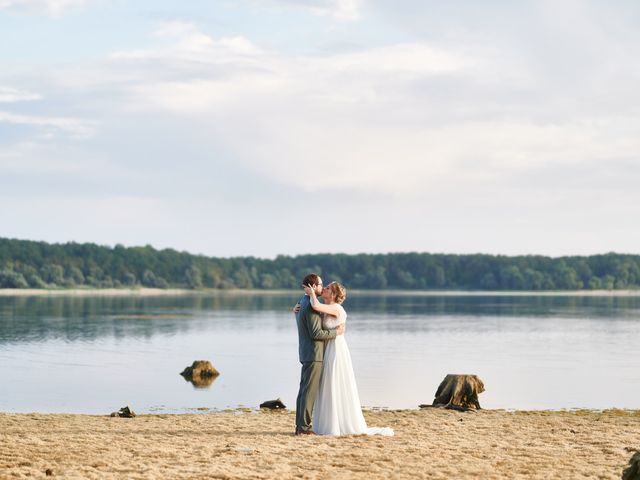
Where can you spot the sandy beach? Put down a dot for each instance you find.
(431, 443)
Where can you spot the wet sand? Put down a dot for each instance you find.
(431, 443)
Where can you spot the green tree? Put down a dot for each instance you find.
(193, 277)
(128, 279)
(608, 282)
(76, 275)
(268, 281)
(53, 274)
(149, 279)
(11, 279)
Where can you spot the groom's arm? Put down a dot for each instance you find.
(314, 323)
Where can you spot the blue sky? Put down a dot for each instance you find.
(266, 127)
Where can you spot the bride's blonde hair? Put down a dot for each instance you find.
(338, 291)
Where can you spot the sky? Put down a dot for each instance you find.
(283, 127)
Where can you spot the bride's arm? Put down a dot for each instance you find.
(321, 307)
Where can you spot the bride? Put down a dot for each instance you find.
(337, 409)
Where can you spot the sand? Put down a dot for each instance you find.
(431, 443)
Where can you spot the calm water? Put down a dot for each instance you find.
(95, 355)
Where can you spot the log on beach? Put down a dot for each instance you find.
(459, 392)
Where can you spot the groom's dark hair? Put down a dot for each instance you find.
(311, 279)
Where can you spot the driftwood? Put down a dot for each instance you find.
(273, 404)
(632, 472)
(124, 412)
(201, 373)
(459, 392)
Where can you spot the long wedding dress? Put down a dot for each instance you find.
(337, 409)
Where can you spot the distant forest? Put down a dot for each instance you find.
(28, 264)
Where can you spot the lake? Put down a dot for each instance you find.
(97, 354)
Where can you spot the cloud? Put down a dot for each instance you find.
(9, 95)
(398, 119)
(343, 10)
(74, 127)
(340, 10)
(191, 45)
(53, 7)
(395, 119)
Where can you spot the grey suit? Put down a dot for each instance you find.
(311, 338)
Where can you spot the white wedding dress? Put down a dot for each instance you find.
(337, 409)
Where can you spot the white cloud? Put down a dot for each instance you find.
(340, 10)
(43, 158)
(343, 10)
(74, 127)
(9, 95)
(397, 119)
(192, 45)
(53, 7)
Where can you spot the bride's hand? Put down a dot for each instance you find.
(310, 290)
(296, 308)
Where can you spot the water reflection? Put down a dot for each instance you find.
(531, 351)
(85, 319)
(200, 382)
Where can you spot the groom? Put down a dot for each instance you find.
(311, 338)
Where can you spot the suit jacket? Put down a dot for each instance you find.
(311, 336)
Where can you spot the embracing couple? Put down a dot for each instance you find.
(328, 402)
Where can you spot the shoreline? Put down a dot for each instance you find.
(366, 409)
(430, 443)
(151, 292)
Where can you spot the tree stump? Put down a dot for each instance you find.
(459, 392)
(201, 373)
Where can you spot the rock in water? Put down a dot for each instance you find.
(459, 392)
(201, 373)
(273, 404)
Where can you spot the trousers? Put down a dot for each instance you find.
(309, 386)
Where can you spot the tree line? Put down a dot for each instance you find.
(30, 264)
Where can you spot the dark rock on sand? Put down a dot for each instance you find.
(273, 404)
(124, 412)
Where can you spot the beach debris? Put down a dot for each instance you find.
(201, 373)
(458, 392)
(48, 472)
(124, 412)
(246, 449)
(273, 404)
(632, 472)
